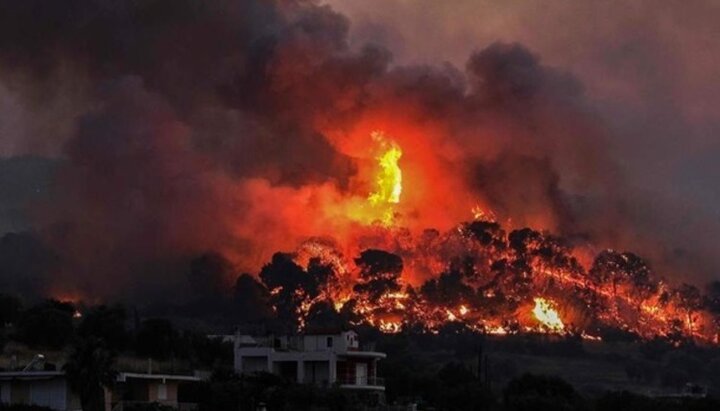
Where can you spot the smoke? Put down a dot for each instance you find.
(649, 73)
(242, 128)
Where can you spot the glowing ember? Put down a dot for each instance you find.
(463, 310)
(496, 330)
(481, 214)
(389, 327)
(547, 315)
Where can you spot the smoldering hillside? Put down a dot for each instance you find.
(173, 129)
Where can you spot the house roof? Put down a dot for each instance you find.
(124, 376)
(30, 375)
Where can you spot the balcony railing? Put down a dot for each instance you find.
(361, 381)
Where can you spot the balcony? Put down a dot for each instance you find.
(361, 382)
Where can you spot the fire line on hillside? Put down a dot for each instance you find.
(485, 279)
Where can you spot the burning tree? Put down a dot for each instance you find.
(379, 274)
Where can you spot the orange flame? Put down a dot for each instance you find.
(388, 182)
(548, 316)
(379, 205)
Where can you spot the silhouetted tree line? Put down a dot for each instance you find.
(54, 325)
(493, 276)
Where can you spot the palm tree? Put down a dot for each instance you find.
(89, 370)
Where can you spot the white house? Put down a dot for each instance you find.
(322, 359)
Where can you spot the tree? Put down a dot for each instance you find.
(323, 316)
(448, 289)
(456, 388)
(322, 274)
(453, 373)
(251, 300)
(690, 300)
(712, 297)
(712, 300)
(536, 249)
(487, 233)
(156, 338)
(379, 273)
(539, 392)
(89, 371)
(10, 309)
(289, 285)
(623, 269)
(107, 324)
(48, 324)
(523, 240)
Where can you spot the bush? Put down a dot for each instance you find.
(106, 323)
(624, 401)
(47, 325)
(10, 309)
(156, 338)
(538, 392)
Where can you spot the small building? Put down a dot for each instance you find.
(142, 388)
(51, 389)
(42, 388)
(320, 359)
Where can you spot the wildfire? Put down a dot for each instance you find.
(547, 315)
(481, 214)
(478, 275)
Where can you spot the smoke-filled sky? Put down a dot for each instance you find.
(137, 135)
(650, 68)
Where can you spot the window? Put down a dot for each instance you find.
(329, 342)
(162, 392)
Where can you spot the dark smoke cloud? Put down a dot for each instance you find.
(193, 127)
(26, 265)
(649, 70)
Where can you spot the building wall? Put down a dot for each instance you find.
(19, 392)
(134, 390)
(286, 369)
(347, 370)
(338, 343)
(254, 364)
(51, 393)
(5, 392)
(155, 389)
(317, 372)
